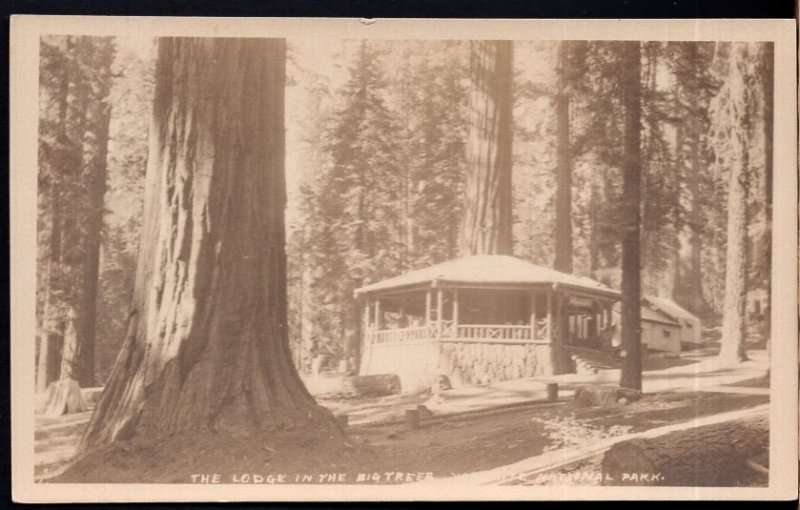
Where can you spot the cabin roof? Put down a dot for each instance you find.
(490, 269)
(671, 308)
(650, 313)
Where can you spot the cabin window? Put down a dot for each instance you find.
(667, 333)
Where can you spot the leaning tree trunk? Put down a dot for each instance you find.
(734, 322)
(486, 226)
(563, 245)
(631, 218)
(207, 346)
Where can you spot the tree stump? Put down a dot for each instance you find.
(552, 392)
(64, 397)
(710, 456)
(412, 419)
(590, 395)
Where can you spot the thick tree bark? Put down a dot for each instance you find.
(714, 455)
(732, 349)
(486, 228)
(207, 346)
(631, 217)
(563, 244)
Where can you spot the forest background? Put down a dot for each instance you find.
(375, 169)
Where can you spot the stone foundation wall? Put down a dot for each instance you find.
(473, 363)
(417, 363)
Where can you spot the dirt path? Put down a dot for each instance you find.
(440, 448)
(580, 464)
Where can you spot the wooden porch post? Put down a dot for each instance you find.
(549, 316)
(428, 307)
(439, 305)
(533, 315)
(365, 319)
(377, 314)
(455, 311)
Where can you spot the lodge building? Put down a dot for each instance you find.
(482, 318)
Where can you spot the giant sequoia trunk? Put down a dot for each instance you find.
(207, 346)
(733, 322)
(631, 217)
(486, 228)
(563, 245)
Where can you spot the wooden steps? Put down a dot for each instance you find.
(592, 361)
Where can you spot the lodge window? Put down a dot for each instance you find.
(667, 333)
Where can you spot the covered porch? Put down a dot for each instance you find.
(453, 312)
(482, 318)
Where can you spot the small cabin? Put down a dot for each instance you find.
(689, 324)
(480, 319)
(666, 326)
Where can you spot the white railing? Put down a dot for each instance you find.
(494, 332)
(451, 332)
(387, 336)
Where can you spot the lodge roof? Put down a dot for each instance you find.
(490, 269)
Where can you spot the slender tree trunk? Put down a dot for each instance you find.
(207, 346)
(734, 308)
(631, 217)
(486, 228)
(94, 169)
(73, 168)
(51, 160)
(768, 70)
(677, 276)
(697, 302)
(594, 254)
(563, 245)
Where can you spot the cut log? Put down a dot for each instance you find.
(711, 456)
(592, 395)
(372, 385)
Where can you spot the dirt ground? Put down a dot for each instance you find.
(441, 447)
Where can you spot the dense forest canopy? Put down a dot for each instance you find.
(377, 159)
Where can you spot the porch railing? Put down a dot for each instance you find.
(452, 332)
(494, 332)
(387, 336)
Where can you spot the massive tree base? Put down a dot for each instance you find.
(175, 458)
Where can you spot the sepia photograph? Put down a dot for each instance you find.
(332, 254)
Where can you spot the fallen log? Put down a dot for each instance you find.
(372, 385)
(710, 456)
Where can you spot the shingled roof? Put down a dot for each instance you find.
(489, 269)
